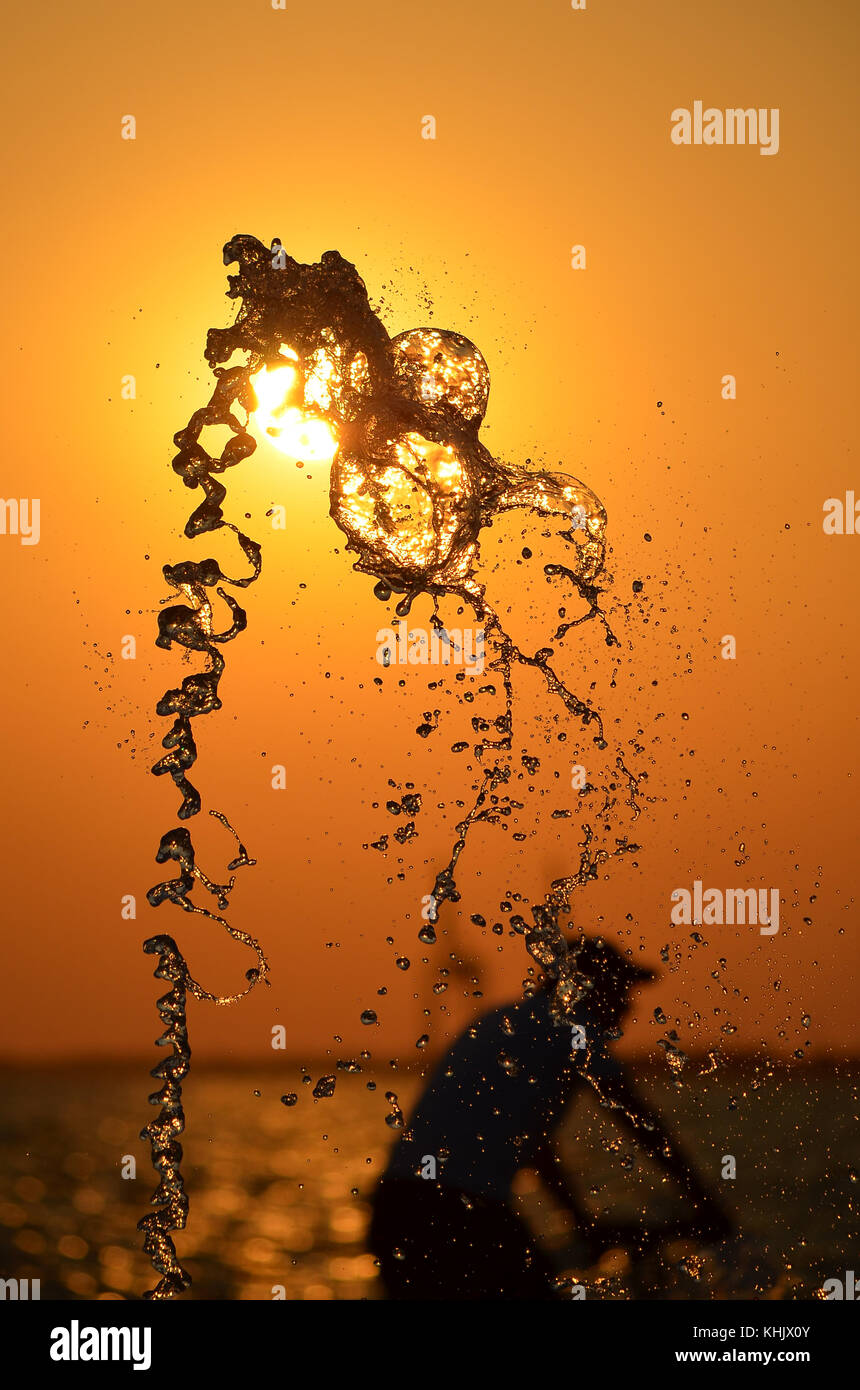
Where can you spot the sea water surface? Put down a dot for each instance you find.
(280, 1195)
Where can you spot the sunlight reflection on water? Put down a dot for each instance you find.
(298, 1218)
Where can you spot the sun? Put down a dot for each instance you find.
(299, 433)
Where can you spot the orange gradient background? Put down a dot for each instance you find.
(552, 130)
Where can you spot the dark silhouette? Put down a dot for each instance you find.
(443, 1226)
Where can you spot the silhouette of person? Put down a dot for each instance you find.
(443, 1226)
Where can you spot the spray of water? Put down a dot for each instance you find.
(412, 488)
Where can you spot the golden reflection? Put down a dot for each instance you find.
(413, 506)
(409, 506)
(437, 365)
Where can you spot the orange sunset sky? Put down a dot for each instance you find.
(552, 130)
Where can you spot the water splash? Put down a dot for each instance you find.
(412, 488)
(170, 1198)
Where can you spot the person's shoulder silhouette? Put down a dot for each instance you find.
(502, 1084)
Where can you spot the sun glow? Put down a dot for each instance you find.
(299, 433)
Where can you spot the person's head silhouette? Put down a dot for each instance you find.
(608, 977)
